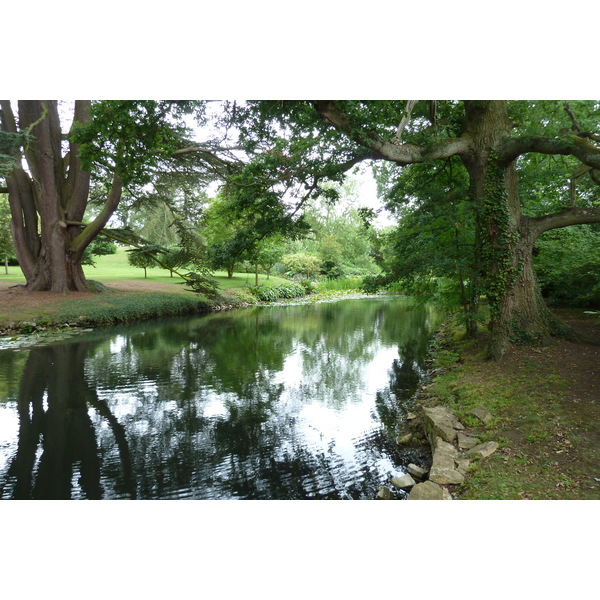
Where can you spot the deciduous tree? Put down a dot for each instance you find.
(491, 139)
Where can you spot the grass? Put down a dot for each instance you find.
(127, 304)
(546, 451)
(113, 268)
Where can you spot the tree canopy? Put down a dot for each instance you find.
(495, 143)
(476, 182)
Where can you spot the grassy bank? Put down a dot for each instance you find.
(130, 296)
(545, 408)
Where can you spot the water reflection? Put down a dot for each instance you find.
(290, 403)
(53, 403)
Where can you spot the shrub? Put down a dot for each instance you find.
(302, 263)
(277, 292)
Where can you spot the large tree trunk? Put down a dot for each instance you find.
(48, 200)
(504, 240)
(519, 313)
(505, 237)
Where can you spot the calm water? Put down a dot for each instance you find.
(287, 402)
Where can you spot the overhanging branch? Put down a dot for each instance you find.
(567, 145)
(564, 218)
(401, 154)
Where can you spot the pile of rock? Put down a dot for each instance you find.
(452, 452)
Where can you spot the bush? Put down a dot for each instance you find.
(277, 292)
(567, 263)
(301, 263)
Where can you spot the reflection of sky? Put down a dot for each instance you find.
(338, 428)
(349, 417)
(317, 402)
(9, 433)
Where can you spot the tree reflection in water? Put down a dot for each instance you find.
(288, 403)
(53, 406)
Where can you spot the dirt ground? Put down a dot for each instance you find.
(552, 448)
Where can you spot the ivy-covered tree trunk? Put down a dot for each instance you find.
(518, 312)
(505, 238)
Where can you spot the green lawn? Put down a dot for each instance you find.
(115, 268)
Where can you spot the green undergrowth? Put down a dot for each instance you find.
(544, 451)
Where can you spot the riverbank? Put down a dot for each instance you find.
(545, 407)
(24, 313)
(544, 401)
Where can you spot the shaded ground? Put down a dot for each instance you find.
(546, 403)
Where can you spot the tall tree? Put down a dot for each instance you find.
(116, 144)
(491, 138)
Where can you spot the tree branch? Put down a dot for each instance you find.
(410, 104)
(564, 218)
(569, 144)
(80, 243)
(401, 154)
(77, 183)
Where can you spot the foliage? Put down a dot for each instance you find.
(174, 258)
(431, 254)
(134, 139)
(6, 245)
(340, 235)
(143, 258)
(201, 284)
(277, 292)
(568, 266)
(306, 265)
(268, 252)
(10, 149)
(99, 247)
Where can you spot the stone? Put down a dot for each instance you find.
(462, 464)
(441, 446)
(405, 439)
(446, 494)
(437, 421)
(405, 482)
(385, 493)
(466, 442)
(483, 450)
(443, 471)
(426, 491)
(458, 425)
(416, 471)
(410, 416)
(483, 414)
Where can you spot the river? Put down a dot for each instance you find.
(277, 402)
